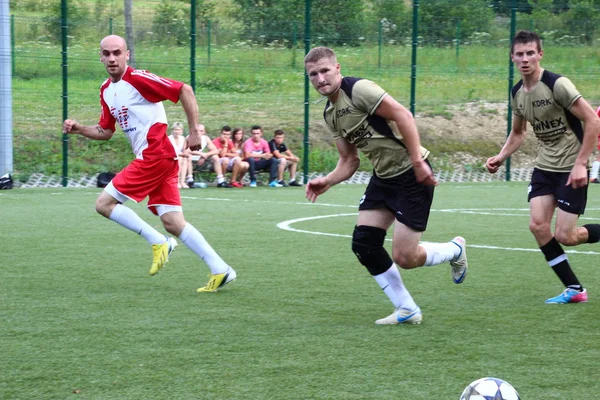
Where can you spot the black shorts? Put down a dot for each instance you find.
(568, 199)
(409, 200)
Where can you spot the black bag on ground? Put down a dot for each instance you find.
(6, 181)
(104, 179)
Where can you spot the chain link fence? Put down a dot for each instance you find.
(245, 61)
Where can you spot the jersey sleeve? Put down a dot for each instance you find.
(155, 88)
(272, 145)
(367, 95)
(107, 121)
(565, 92)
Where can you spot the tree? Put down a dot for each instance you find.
(171, 22)
(395, 18)
(129, 31)
(438, 19)
(265, 21)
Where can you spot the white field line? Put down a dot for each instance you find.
(286, 225)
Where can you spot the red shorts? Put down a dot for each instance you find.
(156, 179)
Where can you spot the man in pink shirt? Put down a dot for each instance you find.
(258, 154)
(133, 98)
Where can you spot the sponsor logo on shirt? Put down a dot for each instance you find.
(122, 116)
(359, 136)
(541, 103)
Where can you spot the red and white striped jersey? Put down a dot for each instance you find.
(135, 102)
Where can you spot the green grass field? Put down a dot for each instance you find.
(82, 319)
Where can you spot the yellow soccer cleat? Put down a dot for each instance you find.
(160, 254)
(217, 281)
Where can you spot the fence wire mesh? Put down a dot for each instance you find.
(248, 65)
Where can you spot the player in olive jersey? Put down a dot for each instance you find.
(361, 115)
(566, 128)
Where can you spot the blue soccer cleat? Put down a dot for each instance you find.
(569, 296)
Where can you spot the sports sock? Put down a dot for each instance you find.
(194, 240)
(557, 260)
(392, 285)
(220, 179)
(593, 232)
(438, 253)
(595, 168)
(127, 218)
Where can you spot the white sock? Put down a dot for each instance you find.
(127, 218)
(194, 240)
(220, 179)
(438, 253)
(392, 285)
(595, 168)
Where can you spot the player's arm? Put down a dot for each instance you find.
(582, 110)
(346, 165)
(95, 132)
(391, 110)
(190, 107)
(514, 141)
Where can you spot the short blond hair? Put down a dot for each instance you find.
(319, 53)
(176, 125)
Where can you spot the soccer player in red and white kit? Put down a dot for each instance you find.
(133, 98)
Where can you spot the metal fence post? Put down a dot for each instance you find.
(511, 74)
(415, 45)
(193, 45)
(306, 88)
(65, 96)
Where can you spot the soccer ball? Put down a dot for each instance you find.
(489, 389)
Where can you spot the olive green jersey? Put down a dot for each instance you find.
(352, 118)
(558, 131)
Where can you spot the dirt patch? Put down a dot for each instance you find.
(465, 135)
(476, 122)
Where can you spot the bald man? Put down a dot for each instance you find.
(133, 99)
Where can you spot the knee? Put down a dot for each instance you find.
(104, 207)
(367, 245)
(405, 260)
(567, 238)
(282, 162)
(173, 224)
(539, 228)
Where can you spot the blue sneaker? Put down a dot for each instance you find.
(569, 296)
(252, 183)
(402, 316)
(275, 184)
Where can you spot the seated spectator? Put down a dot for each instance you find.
(259, 157)
(211, 155)
(286, 159)
(230, 160)
(185, 162)
(239, 169)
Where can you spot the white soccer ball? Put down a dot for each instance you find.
(490, 389)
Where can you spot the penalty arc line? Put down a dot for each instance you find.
(286, 226)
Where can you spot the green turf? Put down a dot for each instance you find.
(82, 319)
